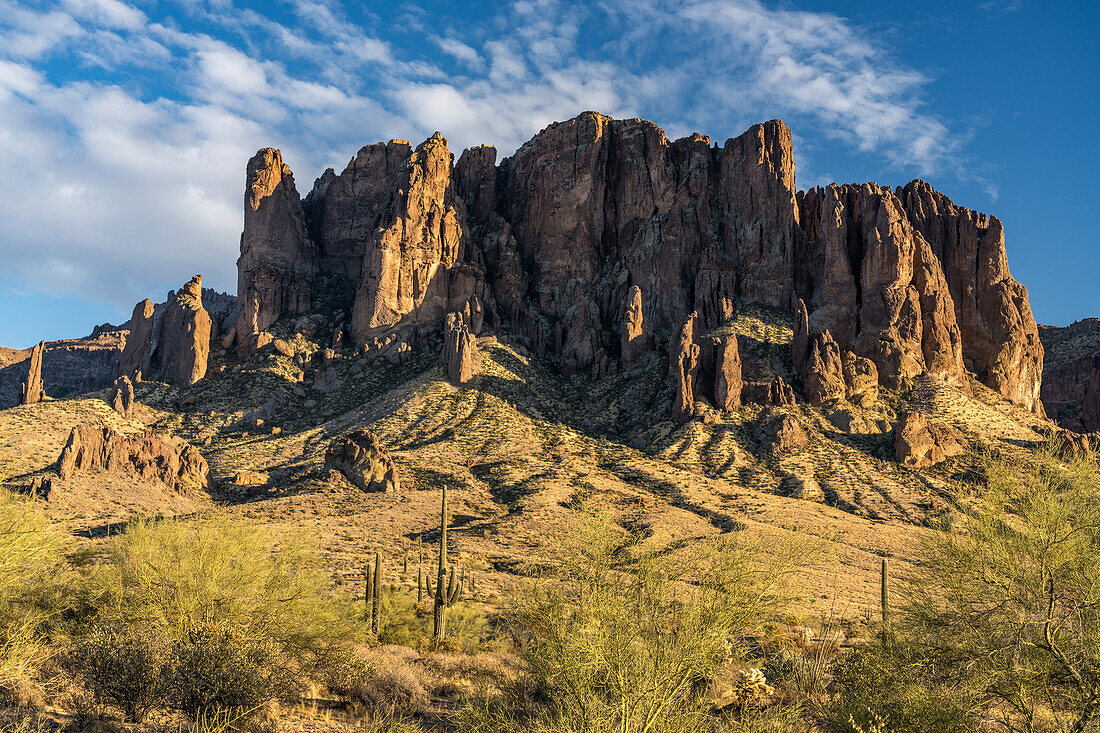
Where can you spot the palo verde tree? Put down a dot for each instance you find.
(1009, 603)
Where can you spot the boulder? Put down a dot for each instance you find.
(919, 443)
(362, 459)
(785, 434)
(823, 371)
(169, 460)
(860, 379)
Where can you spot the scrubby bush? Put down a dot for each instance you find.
(243, 616)
(622, 638)
(875, 683)
(1009, 603)
(222, 672)
(407, 624)
(33, 570)
(122, 666)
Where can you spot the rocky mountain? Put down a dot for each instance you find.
(68, 367)
(1071, 378)
(670, 328)
(600, 239)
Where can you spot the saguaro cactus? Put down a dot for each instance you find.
(439, 625)
(885, 591)
(368, 577)
(376, 611)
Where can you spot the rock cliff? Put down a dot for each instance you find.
(1071, 378)
(172, 344)
(599, 240)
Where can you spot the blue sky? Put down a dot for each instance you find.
(125, 125)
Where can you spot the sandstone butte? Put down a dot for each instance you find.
(600, 243)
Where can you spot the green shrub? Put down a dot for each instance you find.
(874, 683)
(245, 615)
(122, 666)
(33, 571)
(224, 673)
(1007, 603)
(625, 639)
(406, 624)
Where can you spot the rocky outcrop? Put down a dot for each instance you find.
(1071, 375)
(860, 379)
(139, 342)
(634, 343)
(598, 238)
(683, 359)
(919, 443)
(727, 375)
(785, 434)
(122, 399)
(183, 337)
(166, 459)
(173, 344)
(276, 267)
(364, 461)
(33, 390)
(69, 366)
(774, 392)
(877, 287)
(459, 352)
(1000, 340)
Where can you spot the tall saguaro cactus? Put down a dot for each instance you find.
(376, 611)
(439, 626)
(885, 591)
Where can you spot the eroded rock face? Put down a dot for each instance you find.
(597, 240)
(860, 379)
(173, 462)
(33, 390)
(276, 266)
(411, 271)
(774, 392)
(183, 337)
(459, 352)
(727, 379)
(1071, 375)
(139, 343)
(919, 443)
(1000, 340)
(634, 343)
(683, 359)
(122, 401)
(364, 461)
(172, 345)
(876, 285)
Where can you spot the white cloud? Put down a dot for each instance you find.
(125, 176)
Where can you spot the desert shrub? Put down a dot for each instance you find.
(244, 614)
(344, 672)
(395, 688)
(33, 569)
(772, 719)
(875, 683)
(1007, 604)
(624, 638)
(406, 624)
(225, 673)
(122, 666)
